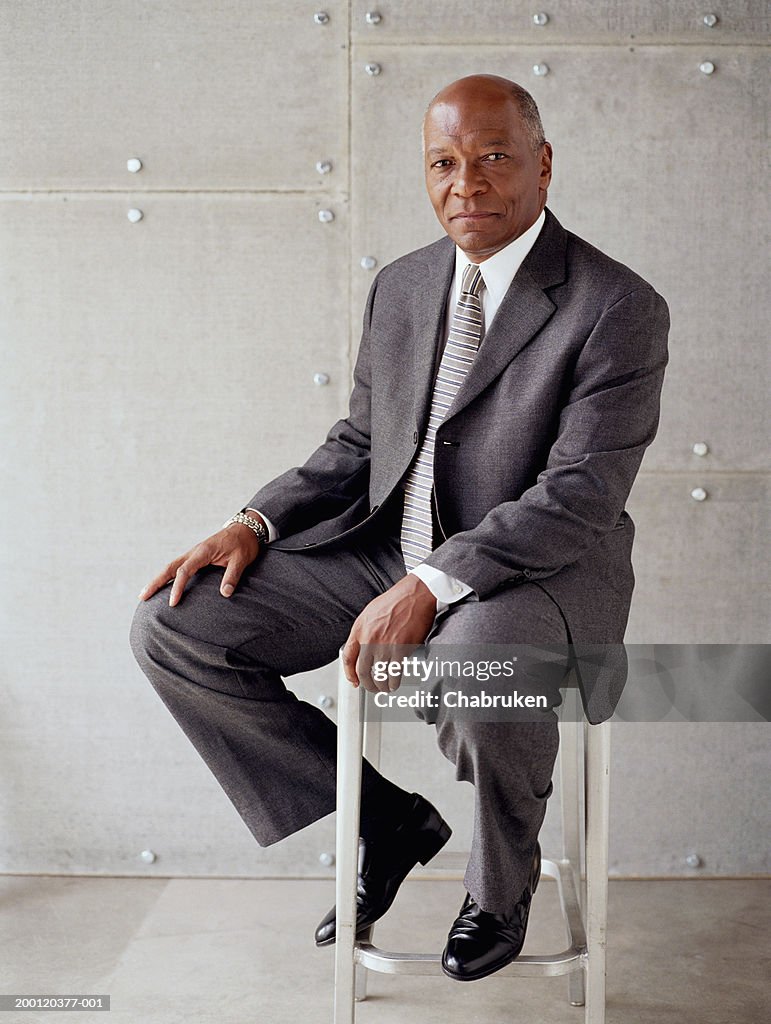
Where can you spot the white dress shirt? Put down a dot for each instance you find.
(497, 272)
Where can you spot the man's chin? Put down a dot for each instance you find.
(477, 245)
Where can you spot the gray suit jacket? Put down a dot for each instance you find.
(535, 458)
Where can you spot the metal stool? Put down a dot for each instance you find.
(584, 759)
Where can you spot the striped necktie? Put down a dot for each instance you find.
(460, 350)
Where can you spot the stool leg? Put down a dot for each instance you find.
(597, 773)
(372, 735)
(349, 748)
(570, 751)
(372, 740)
(360, 972)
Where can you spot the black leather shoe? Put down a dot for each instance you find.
(481, 943)
(385, 863)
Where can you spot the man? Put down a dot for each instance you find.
(506, 388)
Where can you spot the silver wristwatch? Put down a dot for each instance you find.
(255, 525)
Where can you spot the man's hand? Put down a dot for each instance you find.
(235, 547)
(390, 627)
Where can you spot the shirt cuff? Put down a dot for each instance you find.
(446, 589)
(272, 531)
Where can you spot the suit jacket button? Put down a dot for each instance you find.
(415, 437)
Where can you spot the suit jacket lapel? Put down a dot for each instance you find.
(523, 312)
(429, 299)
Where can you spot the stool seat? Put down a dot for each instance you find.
(584, 765)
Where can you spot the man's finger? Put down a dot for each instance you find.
(231, 577)
(394, 682)
(155, 584)
(349, 656)
(184, 572)
(364, 664)
(160, 580)
(362, 675)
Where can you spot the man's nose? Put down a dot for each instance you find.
(469, 181)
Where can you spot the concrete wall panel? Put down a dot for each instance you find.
(701, 566)
(638, 172)
(217, 322)
(161, 372)
(689, 788)
(101, 772)
(235, 95)
(568, 21)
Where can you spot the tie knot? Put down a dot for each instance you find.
(473, 282)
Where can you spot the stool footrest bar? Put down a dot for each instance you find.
(385, 961)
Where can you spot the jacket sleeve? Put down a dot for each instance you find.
(610, 416)
(337, 473)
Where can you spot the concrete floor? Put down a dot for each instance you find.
(236, 951)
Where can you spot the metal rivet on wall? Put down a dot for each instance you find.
(710, 20)
(368, 263)
(373, 17)
(320, 379)
(325, 216)
(700, 448)
(323, 166)
(372, 69)
(321, 17)
(693, 860)
(327, 859)
(134, 164)
(540, 70)
(541, 18)
(134, 215)
(325, 701)
(706, 67)
(148, 857)
(698, 494)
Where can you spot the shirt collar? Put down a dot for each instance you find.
(498, 271)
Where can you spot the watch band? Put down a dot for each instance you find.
(254, 525)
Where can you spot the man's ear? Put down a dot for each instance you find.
(546, 166)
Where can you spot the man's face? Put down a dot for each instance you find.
(486, 183)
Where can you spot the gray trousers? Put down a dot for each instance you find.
(217, 663)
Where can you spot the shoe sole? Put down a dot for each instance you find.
(331, 942)
(430, 849)
(434, 844)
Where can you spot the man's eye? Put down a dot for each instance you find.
(441, 163)
(495, 156)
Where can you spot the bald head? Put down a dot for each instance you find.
(493, 88)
